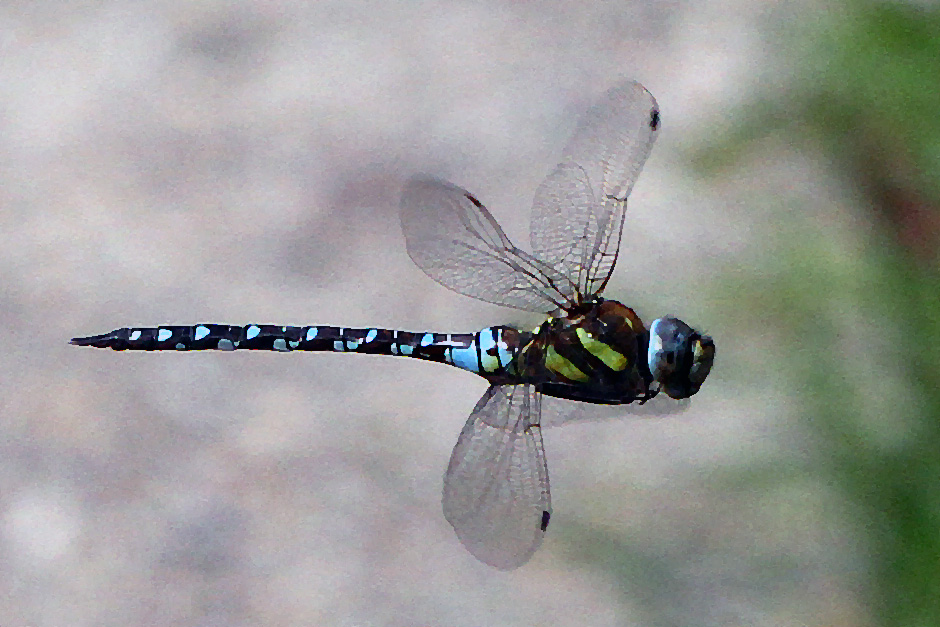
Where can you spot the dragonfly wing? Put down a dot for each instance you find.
(452, 237)
(579, 209)
(557, 411)
(496, 493)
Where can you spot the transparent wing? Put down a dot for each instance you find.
(578, 212)
(557, 411)
(496, 493)
(453, 238)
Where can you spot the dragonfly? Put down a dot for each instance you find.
(589, 351)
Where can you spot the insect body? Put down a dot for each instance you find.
(591, 349)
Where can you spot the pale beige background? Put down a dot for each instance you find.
(177, 162)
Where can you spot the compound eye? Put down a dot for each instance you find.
(662, 364)
(667, 338)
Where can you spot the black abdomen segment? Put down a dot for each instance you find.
(464, 350)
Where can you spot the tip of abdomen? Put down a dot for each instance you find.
(98, 341)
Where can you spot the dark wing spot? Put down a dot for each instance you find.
(654, 119)
(473, 199)
(545, 517)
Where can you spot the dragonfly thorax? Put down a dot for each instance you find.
(595, 353)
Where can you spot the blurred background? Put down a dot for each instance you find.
(176, 162)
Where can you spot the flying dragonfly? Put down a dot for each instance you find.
(589, 351)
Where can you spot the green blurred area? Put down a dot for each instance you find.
(858, 320)
(845, 295)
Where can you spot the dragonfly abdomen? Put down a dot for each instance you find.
(488, 352)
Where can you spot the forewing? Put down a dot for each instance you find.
(496, 493)
(579, 209)
(452, 237)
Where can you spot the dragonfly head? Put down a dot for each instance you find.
(679, 357)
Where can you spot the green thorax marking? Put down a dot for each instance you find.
(561, 366)
(614, 360)
(595, 345)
